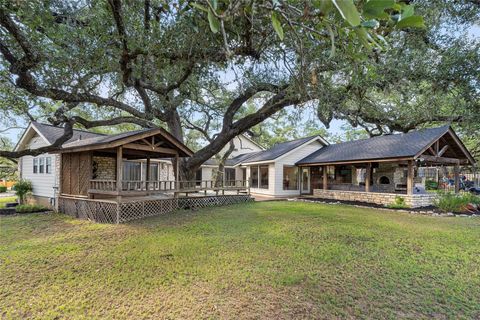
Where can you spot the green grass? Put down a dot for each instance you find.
(4, 200)
(261, 260)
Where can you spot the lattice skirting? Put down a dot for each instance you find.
(212, 201)
(105, 211)
(95, 210)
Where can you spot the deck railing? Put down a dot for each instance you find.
(174, 186)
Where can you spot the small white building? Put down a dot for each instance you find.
(273, 172)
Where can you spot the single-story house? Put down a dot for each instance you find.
(375, 170)
(44, 170)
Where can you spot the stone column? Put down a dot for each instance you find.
(325, 178)
(410, 174)
(368, 177)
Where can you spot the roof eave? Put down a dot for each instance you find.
(326, 163)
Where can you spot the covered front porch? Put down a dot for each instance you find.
(97, 181)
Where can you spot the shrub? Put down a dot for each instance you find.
(3, 189)
(29, 208)
(399, 203)
(22, 188)
(431, 185)
(450, 202)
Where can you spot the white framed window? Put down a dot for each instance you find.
(35, 165)
(48, 165)
(41, 165)
(263, 177)
(290, 178)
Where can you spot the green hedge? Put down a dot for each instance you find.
(3, 189)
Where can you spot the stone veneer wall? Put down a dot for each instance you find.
(413, 201)
(106, 168)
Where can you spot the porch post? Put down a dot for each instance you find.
(177, 170)
(456, 178)
(325, 178)
(410, 174)
(368, 177)
(119, 169)
(147, 177)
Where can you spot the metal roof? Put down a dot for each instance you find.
(401, 145)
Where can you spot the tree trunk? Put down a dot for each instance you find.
(221, 165)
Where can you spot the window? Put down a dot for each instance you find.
(131, 171)
(41, 165)
(290, 178)
(154, 172)
(263, 177)
(35, 165)
(230, 175)
(254, 176)
(198, 177)
(48, 165)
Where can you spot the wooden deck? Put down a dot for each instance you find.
(134, 188)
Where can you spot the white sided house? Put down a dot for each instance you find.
(274, 173)
(378, 170)
(243, 147)
(43, 170)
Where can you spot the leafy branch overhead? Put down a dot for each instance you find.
(375, 14)
(220, 68)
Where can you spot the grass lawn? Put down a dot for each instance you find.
(267, 260)
(4, 200)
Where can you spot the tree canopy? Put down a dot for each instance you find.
(215, 69)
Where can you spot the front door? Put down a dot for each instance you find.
(305, 174)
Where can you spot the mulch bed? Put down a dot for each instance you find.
(429, 210)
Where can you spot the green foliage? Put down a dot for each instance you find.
(30, 208)
(348, 11)
(3, 189)
(431, 185)
(399, 203)
(22, 189)
(277, 25)
(451, 202)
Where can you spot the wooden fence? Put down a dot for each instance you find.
(108, 211)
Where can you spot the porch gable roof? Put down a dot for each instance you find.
(409, 145)
(116, 140)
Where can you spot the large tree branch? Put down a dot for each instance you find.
(55, 146)
(273, 105)
(87, 124)
(237, 103)
(21, 67)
